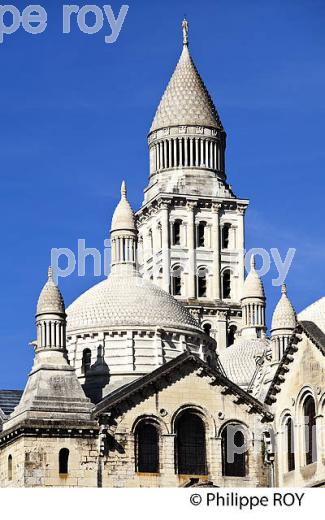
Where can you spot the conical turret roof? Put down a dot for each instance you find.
(186, 100)
(123, 217)
(284, 316)
(253, 285)
(50, 299)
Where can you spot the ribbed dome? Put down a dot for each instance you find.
(253, 286)
(123, 217)
(315, 312)
(125, 299)
(284, 316)
(186, 100)
(239, 360)
(50, 299)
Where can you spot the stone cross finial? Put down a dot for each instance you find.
(123, 189)
(185, 31)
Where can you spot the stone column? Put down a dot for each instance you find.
(241, 249)
(191, 249)
(165, 247)
(160, 156)
(168, 477)
(216, 251)
(222, 330)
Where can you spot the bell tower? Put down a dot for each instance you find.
(191, 224)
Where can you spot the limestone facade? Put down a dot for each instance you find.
(163, 374)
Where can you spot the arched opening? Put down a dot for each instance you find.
(226, 284)
(86, 360)
(207, 328)
(225, 242)
(64, 461)
(310, 430)
(201, 234)
(176, 281)
(147, 448)
(190, 445)
(234, 451)
(176, 233)
(289, 433)
(10, 467)
(231, 335)
(202, 282)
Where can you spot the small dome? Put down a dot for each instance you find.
(253, 285)
(186, 100)
(239, 360)
(50, 299)
(284, 316)
(126, 300)
(123, 217)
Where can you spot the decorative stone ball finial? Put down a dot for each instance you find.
(284, 288)
(185, 31)
(123, 190)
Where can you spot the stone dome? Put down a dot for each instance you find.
(123, 217)
(284, 316)
(315, 312)
(126, 300)
(50, 300)
(239, 360)
(253, 286)
(186, 100)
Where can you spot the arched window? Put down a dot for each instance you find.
(10, 467)
(310, 430)
(207, 328)
(64, 461)
(231, 335)
(226, 284)
(176, 281)
(147, 448)
(202, 282)
(234, 451)
(190, 445)
(201, 234)
(176, 234)
(225, 236)
(86, 360)
(289, 432)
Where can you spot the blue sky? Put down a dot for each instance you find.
(75, 113)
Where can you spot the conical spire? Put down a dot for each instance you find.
(123, 217)
(50, 299)
(53, 392)
(284, 316)
(186, 100)
(123, 233)
(253, 304)
(253, 285)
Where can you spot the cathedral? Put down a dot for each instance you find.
(164, 374)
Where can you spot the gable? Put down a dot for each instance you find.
(183, 381)
(303, 364)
